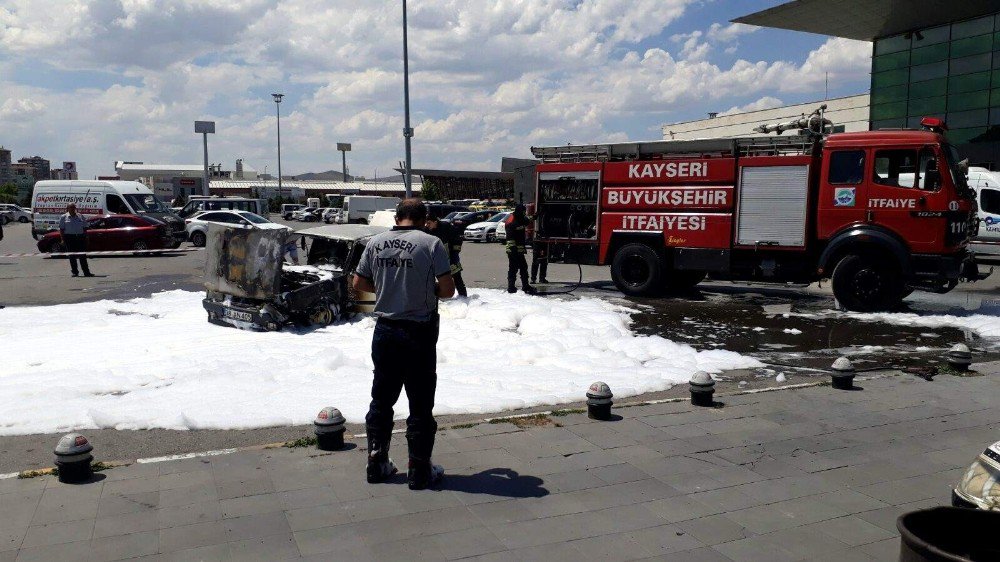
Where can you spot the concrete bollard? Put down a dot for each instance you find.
(73, 458)
(959, 357)
(329, 426)
(599, 401)
(843, 374)
(702, 388)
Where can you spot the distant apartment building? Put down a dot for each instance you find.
(41, 168)
(67, 172)
(6, 174)
(24, 179)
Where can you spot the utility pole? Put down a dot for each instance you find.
(277, 107)
(344, 148)
(205, 127)
(407, 130)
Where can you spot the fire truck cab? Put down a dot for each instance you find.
(881, 213)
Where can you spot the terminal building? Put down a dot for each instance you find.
(929, 59)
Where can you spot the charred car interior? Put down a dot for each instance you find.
(249, 286)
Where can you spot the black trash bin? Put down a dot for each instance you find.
(948, 533)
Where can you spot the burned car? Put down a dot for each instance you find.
(250, 287)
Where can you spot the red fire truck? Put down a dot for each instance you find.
(880, 213)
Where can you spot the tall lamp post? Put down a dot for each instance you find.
(344, 148)
(407, 130)
(205, 127)
(277, 107)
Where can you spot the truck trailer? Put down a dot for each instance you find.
(881, 213)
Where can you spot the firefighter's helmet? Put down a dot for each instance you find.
(979, 486)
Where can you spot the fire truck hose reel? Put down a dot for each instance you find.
(599, 401)
(73, 458)
(329, 429)
(959, 357)
(702, 388)
(842, 374)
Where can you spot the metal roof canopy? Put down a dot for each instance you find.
(867, 19)
(470, 174)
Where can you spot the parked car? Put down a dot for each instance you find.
(15, 212)
(454, 215)
(197, 226)
(441, 210)
(473, 217)
(330, 215)
(301, 213)
(199, 203)
(255, 291)
(485, 231)
(116, 232)
(288, 208)
(315, 215)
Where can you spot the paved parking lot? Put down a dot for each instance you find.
(806, 474)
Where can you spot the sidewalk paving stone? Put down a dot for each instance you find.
(807, 474)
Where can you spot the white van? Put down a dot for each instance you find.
(198, 204)
(96, 199)
(986, 244)
(357, 208)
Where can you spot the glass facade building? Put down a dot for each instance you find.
(950, 71)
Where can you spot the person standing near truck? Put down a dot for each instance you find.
(516, 228)
(73, 230)
(408, 270)
(539, 261)
(452, 241)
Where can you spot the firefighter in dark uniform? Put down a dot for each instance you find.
(452, 241)
(516, 226)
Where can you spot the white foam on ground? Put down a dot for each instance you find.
(158, 363)
(983, 325)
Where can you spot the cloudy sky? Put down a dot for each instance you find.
(102, 80)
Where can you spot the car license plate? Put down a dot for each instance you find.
(238, 315)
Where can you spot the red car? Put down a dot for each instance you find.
(116, 232)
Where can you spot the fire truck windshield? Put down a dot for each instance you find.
(957, 174)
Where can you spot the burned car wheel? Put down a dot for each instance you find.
(322, 316)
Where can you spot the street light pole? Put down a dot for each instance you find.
(205, 127)
(407, 130)
(277, 107)
(344, 148)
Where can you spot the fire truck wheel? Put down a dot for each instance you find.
(683, 280)
(867, 284)
(637, 270)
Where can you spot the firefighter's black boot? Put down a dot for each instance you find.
(421, 475)
(380, 466)
(525, 286)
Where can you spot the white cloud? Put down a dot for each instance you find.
(487, 79)
(728, 33)
(14, 109)
(766, 102)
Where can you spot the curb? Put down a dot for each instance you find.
(281, 444)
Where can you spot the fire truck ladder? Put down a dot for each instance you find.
(655, 150)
